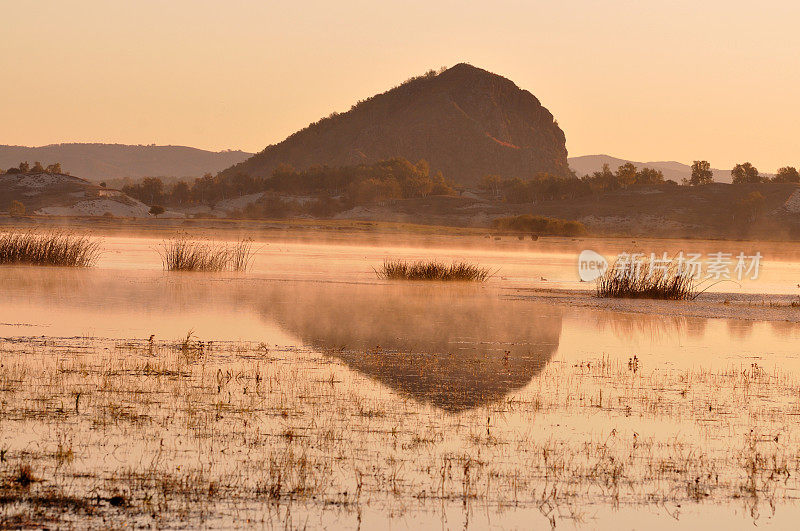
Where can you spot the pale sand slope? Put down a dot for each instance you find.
(97, 207)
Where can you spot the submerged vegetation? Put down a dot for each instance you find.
(432, 270)
(48, 248)
(183, 254)
(647, 280)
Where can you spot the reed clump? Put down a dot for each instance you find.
(647, 280)
(58, 248)
(183, 254)
(432, 270)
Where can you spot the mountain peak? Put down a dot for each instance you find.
(465, 121)
(466, 68)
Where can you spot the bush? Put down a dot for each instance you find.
(431, 270)
(56, 248)
(156, 210)
(183, 254)
(270, 206)
(540, 225)
(641, 281)
(17, 209)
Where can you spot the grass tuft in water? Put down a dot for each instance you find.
(641, 281)
(183, 254)
(48, 248)
(432, 270)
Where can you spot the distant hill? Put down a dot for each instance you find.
(464, 121)
(98, 162)
(671, 169)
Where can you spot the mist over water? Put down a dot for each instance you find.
(455, 346)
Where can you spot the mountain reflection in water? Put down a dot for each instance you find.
(456, 347)
(450, 345)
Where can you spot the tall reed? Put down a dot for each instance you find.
(58, 248)
(432, 270)
(645, 281)
(183, 254)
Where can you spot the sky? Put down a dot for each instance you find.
(642, 80)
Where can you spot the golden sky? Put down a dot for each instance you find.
(644, 80)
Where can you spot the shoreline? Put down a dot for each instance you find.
(342, 226)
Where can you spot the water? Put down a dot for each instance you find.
(310, 358)
(550, 263)
(328, 296)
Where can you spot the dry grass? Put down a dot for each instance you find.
(48, 248)
(645, 281)
(184, 254)
(432, 270)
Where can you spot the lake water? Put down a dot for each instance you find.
(408, 379)
(328, 296)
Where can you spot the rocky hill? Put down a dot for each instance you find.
(99, 162)
(464, 121)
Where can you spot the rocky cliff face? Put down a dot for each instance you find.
(465, 121)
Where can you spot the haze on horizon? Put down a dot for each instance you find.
(640, 80)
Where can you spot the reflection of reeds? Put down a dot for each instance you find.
(431, 270)
(643, 280)
(49, 248)
(182, 254)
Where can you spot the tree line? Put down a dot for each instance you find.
(744, 173)
(547, 187)
(25, 167)
(395, 178)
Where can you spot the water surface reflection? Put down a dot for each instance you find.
(452, 346)
(456, 348)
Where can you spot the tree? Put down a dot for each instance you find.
(649, 176)
(152, 189)
(787, 174)
(53, 168)
(24, 167)
(180, 192)
(605, 180)
(37, 167)
(491, 183)
(745, 173)
(156, 210)
(749, 208)
(17, 209)
(626, 174)
(242, 184)
(373, 190)
(701, 173)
